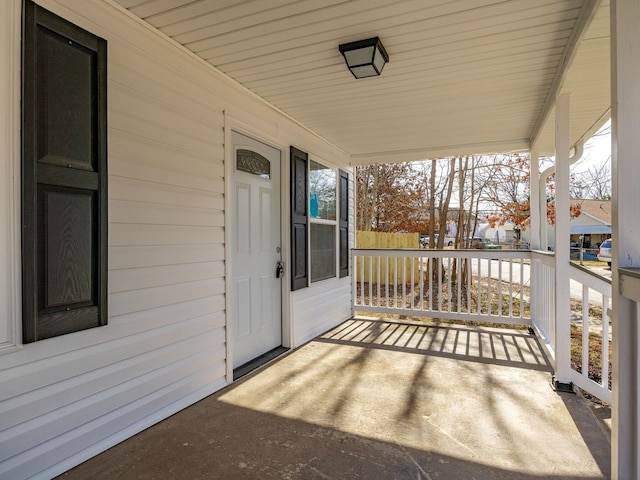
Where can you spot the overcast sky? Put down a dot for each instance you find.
(596, 151)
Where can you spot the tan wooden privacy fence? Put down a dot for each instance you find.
(391, 270)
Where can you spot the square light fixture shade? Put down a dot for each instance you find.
(365, 58)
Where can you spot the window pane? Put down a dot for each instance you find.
(323, 251)
(322, 191)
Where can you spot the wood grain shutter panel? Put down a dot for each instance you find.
(299, 219)
(64, 177)
(343, 223)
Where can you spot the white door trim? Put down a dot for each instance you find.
(233, 124)
(10, 179)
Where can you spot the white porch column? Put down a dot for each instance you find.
(534, 202)
(563, 308)
(625, 145)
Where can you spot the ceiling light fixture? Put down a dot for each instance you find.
(365, 58)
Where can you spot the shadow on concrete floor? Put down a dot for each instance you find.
(378, 400)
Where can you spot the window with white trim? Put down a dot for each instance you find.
(319, 221)
(323, 221)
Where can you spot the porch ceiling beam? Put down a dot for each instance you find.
(441, 151)
(587, 12)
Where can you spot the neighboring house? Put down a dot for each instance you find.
(591, 227)
(499, 234)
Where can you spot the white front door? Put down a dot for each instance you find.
(257, 312)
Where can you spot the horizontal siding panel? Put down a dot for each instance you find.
(123, 166)
(121, 211)
(159, 255)
(126, 418)
(151, 78)
(321, 307)
(148, 277)
(129, 119)
(163, 114)
(134, 301)
(163, 194)
(119, 329)
(49, 371)
(169, 315)
(128, 235)
(322, 296)
(144, 159)
(73, 414)
(165, 65)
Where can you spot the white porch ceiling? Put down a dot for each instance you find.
(464, 77)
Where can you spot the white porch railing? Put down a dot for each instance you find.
(543, 314)
(494, 286)
(476, 285)
(595, 316)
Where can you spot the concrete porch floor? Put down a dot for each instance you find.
(378, 400)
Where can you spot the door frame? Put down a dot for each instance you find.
(231, 123)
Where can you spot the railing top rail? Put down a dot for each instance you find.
(589, 272)
(545, 258)
(442, 253)
(450, 249)
(544, 253)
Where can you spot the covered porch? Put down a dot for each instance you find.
(368, 398)
(379, 399)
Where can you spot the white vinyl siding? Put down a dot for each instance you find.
(65, 399)
(320, 308)
(164, 346)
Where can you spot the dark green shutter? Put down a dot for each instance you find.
(299, 219)
(64, 176)
(343, 223)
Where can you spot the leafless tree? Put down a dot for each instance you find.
(593, 183)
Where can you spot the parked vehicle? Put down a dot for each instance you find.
(604, 251)
(480, 242)
(448, 241)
